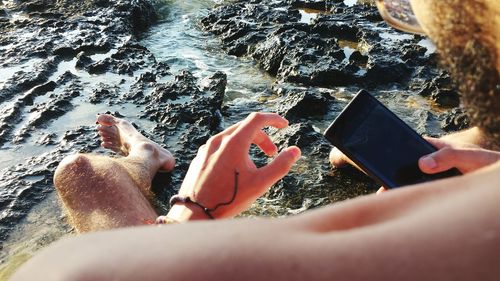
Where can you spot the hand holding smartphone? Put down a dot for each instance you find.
(380, 143)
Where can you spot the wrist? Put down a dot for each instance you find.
(183, 212)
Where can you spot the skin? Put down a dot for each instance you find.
(406, 234)
(442, 230)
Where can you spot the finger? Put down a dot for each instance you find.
(202, 149)
(255, 122)
(264, 142)
(381, 190)
(230, 129)
(338, 159)
(444, 142)
(212, 145)
(215, 141)
(111, 146)
(278, 168)
(466, 160)
(437, 143)
(107, 129)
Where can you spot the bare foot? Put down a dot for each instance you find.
(121, 137)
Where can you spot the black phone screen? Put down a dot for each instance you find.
(381, 143)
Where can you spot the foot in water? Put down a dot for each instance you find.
(120, 136)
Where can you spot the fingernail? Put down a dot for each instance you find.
(295, 152)
(429, 162)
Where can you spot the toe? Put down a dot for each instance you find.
(106, 119)
(111, 146)
(105, 130)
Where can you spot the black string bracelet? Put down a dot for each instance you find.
(208, 211)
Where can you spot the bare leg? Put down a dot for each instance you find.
(102, 192)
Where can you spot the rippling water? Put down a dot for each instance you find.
(179, 42)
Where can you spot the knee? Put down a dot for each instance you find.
(71, 168)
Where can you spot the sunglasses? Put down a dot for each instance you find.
(399, 14)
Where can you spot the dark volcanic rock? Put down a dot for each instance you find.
(313, 53)
(305, 192)
(44, 50)
(83, 60)
(27, 184)
(129, 58)
(313, 47)
(442, 90)
(455, 120)
(303, 105)
(187, 120)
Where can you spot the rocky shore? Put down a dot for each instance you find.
(39, 40)
(328, 44)
(60, 58)
(317, 49)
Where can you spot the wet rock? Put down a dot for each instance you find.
(44, 88)
(306, 192)
(47, 139)
(129, 58)
(37, 6)
(358, 59)
(310, 4)
(455, 120)
(442, 90)
(83, 61)
(312, 53)
(302, 135)
(66, 52)
(44, 113)
(100, 95)
(303, 105)
(335, 29)
(66, 77)
(27, 184)
(183, 85)
(446, 97)
(23, 81)
(147, 77)
(44, 40)
(387, 71)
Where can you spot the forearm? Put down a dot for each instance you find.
(226, 250)
(445, 230)
(474, 136)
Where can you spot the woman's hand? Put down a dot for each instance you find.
(453, 154)
(224, 159)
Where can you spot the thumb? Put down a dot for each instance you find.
(466, 160)
(279, 167)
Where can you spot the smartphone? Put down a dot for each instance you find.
(380, 143)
